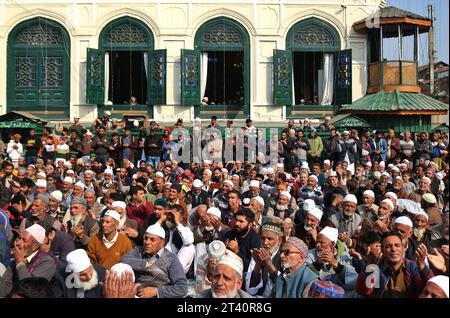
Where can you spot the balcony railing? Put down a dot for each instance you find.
(393, 75)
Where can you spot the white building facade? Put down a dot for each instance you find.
(264, 59)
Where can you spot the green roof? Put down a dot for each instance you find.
(394, 101)
(349, 120)
(393, 12)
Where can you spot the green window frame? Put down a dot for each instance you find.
(129, 34)
(38, 69)
(220, 34)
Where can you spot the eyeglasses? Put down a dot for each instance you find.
(287, 252)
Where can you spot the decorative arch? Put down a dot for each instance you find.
(313, 34)
(137, 15)
(224, 33)
(38, 68)
(42, 13)
(126, 32)
(224, 13)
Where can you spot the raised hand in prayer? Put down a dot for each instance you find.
(445, 250)
(232, 245)
(438, 261)
(18, 251)
(421, 255)
(119, 287)
(78, 231)
(215, 222)
(355, 254)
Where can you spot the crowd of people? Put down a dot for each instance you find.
(100, 212)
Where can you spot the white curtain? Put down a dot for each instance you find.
(203, 72)
(293, 87)
(146, 64)
(328, 79)
(106, 76)
(320, 84)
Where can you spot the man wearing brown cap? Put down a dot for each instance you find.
(296, 278)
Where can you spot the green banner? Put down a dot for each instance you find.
(17, 124)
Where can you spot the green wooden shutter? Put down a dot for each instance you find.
(282, 77)
(343, 80)
(157, 60)
(190, 77)
(95, 82)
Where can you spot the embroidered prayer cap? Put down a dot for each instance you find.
(404, 220)
(272, 227)
(232, 260)
(325, 289)
(298, 244)
(429, 197)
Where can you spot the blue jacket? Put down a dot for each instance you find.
(383, 148)
(295, 282)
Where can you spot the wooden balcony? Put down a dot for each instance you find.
(393, 75)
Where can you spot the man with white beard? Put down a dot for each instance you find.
(265, 265)
(382, 221)
(227, 278)
(368, 208)
(80, 279)
(296, 278)
(81, 227)
(347, 221)
(311, 191)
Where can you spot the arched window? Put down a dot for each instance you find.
(39, 68)
(124, 66)
(218, 68)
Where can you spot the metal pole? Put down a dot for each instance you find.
(431, 49)
(400, 44)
